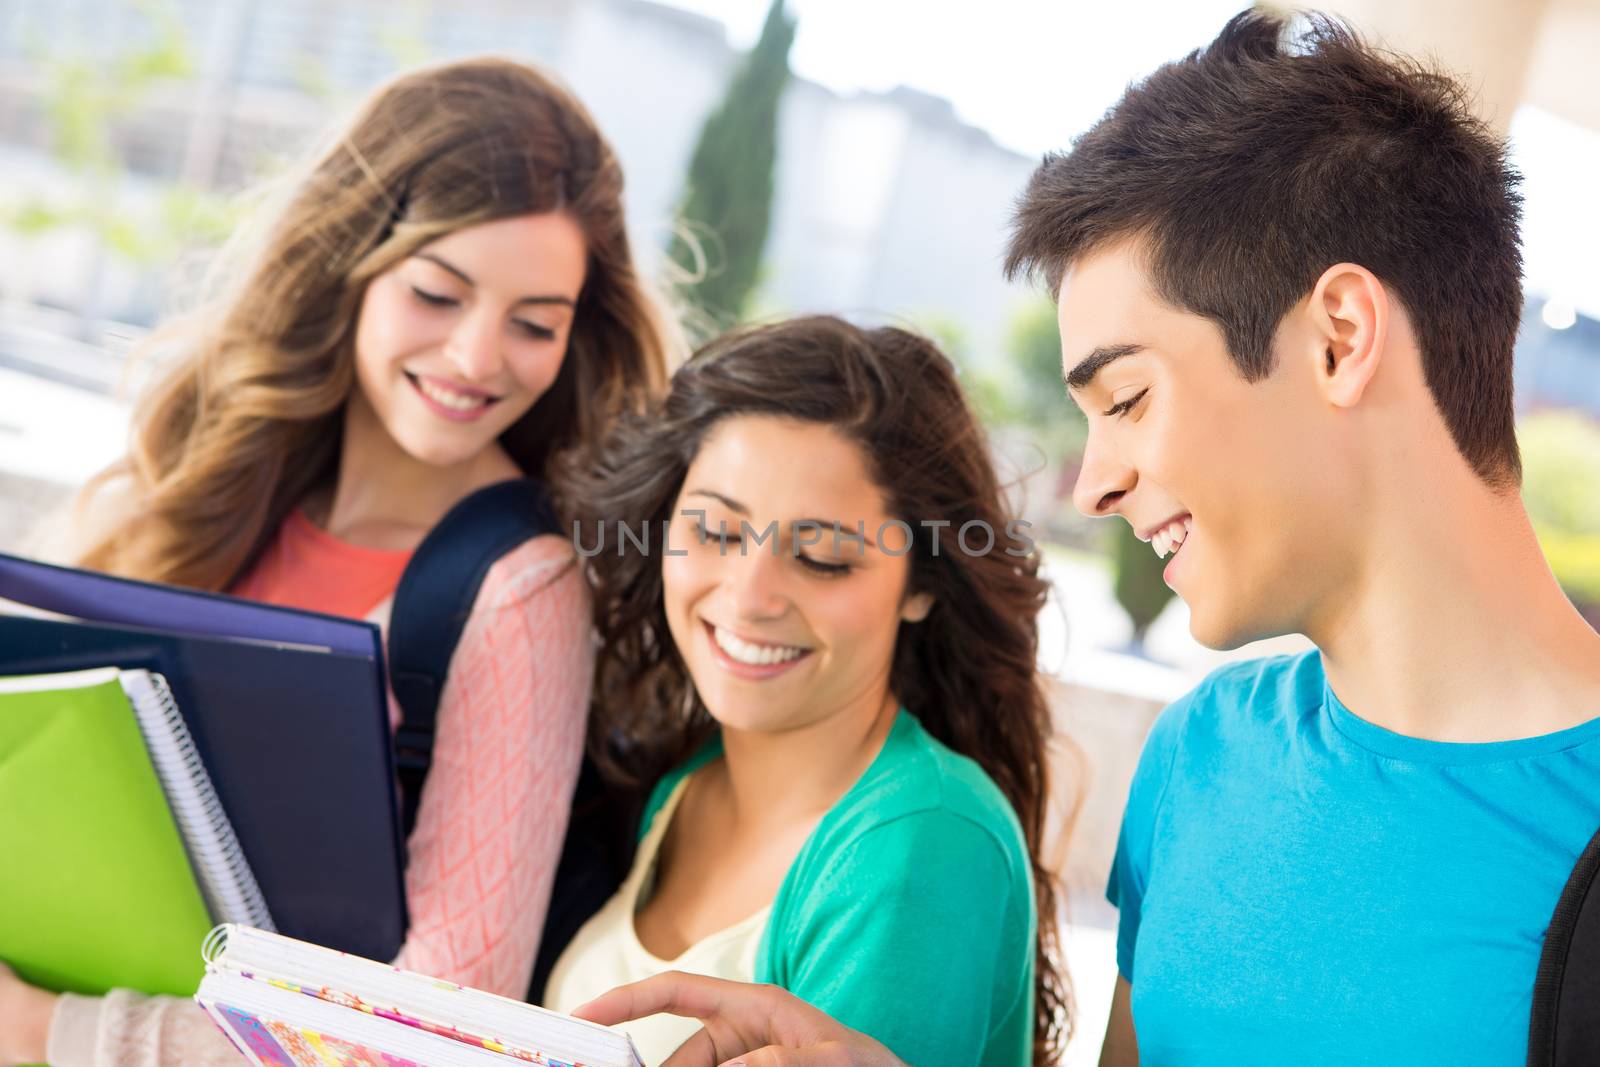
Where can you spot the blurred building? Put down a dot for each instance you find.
(1507, 52)
(1558, 365)
(885, 202)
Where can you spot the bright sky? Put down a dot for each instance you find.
(1031, 72)
(1035, 73)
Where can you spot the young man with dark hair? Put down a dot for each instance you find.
(1288, 280)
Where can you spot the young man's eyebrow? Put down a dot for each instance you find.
(445, 264)
(1081, 375)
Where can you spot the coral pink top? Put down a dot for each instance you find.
(307, 567)
(493, 812)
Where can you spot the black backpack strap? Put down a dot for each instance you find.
(595, 858)
(431, 607)
(1564, 1030)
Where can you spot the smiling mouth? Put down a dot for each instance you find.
(452, 400)
(1171, 537)
(752, 655)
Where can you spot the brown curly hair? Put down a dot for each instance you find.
(967, 671)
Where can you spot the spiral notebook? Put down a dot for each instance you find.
(230, 889)
(117, 856)
(285, 1003)
(286, 709)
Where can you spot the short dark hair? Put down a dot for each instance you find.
(1252, 165)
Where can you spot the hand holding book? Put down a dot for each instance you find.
(745, 1025)
(286, 1003)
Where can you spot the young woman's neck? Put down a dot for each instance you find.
(797, 774)
(1453, 628)
(383, 496)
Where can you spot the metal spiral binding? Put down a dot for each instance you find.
(225, 876)
(215, 944)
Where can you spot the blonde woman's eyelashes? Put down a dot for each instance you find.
(439, 300)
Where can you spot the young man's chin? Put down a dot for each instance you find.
(1221, 630)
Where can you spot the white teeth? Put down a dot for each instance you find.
(450, 398)
(1167, 540)
(755, 655)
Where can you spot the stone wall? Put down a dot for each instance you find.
(1099, 735)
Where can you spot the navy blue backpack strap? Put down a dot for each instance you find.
(431, 607)
(1565, 1027)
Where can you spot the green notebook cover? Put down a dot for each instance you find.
(97, 891)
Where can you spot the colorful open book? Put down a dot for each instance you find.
(286, 1003)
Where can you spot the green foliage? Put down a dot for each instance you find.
(312, 78)
(990, 398)
(403, 34)
(195, 217)
(990, 395)
(1561, 488)
(1138, 585)
(1034, 346)
(1575, 559)
(32, 217)
(85, 96)
(727, 204)
(167, 58)
(947, 332)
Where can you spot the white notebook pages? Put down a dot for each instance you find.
(282, 1001)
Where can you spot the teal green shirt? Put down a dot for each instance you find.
(909, 913)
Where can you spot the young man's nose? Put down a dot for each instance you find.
(1103, 480)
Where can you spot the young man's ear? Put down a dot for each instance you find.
(1349, 311)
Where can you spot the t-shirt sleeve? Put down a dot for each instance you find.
(1130, 867)
(914, 934)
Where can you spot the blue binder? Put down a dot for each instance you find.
(289, 712)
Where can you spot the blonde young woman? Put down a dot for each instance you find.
(446, 300)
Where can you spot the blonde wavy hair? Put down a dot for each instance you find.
(248, 419)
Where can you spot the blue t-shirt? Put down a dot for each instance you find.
(1298, 885)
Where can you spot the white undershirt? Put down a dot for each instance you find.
(607, 953)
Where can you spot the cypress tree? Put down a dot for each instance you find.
(1139, 586)
(727, 203)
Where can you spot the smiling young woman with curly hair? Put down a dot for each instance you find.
(843, 723)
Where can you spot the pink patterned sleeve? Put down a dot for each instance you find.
(125, 1029)
(493, 812)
